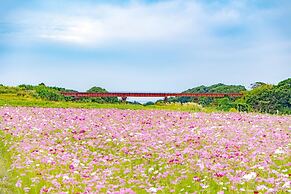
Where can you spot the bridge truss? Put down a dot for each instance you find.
(124, 95)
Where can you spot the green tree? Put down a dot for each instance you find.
(47, 93)
(96, 89)
(216, 88)
(224, 104)
(148, 103)
(270, 98)
(257, 84)
(27, 87)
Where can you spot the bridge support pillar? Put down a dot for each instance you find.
(196, 99)
(123, 98)
(166, 99)
(76, 98)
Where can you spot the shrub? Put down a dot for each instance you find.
(48, 94)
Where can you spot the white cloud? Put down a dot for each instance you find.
(174, 21)
(169, 21)
(74, 30)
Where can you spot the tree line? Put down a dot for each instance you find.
(262, 97)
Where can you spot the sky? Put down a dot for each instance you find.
(144, 45)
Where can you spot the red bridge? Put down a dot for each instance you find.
(124, 95)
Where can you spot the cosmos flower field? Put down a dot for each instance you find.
(145, 151)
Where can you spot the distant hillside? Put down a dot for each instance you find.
(269, 98)
(262, 97)
(216, 88)
(52, 93)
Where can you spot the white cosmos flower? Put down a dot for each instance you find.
(286, 185)
(154, 190)
(151, 169)
(262, 187)
(249, 176)
(279, 151)
(204, 186)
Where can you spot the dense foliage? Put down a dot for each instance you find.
(270, 98)
(216, 88)
(99, 99)
(262, 97)
(224, 104)
(46, 92)
(54, 93)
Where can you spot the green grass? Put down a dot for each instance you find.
(8, 178)
(5, 162)
(15, 100)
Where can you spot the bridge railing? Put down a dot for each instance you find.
(124, 95)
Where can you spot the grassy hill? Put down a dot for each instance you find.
(48, 97)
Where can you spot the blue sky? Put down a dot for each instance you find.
(154, 46)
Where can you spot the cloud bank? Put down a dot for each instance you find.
(165, 21)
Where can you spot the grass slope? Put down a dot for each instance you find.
(5, 162)
(26, 101)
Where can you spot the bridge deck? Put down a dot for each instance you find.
(123, 94)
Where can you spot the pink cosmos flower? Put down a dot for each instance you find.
(18, 183)
(219, 174)
(196, 178)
